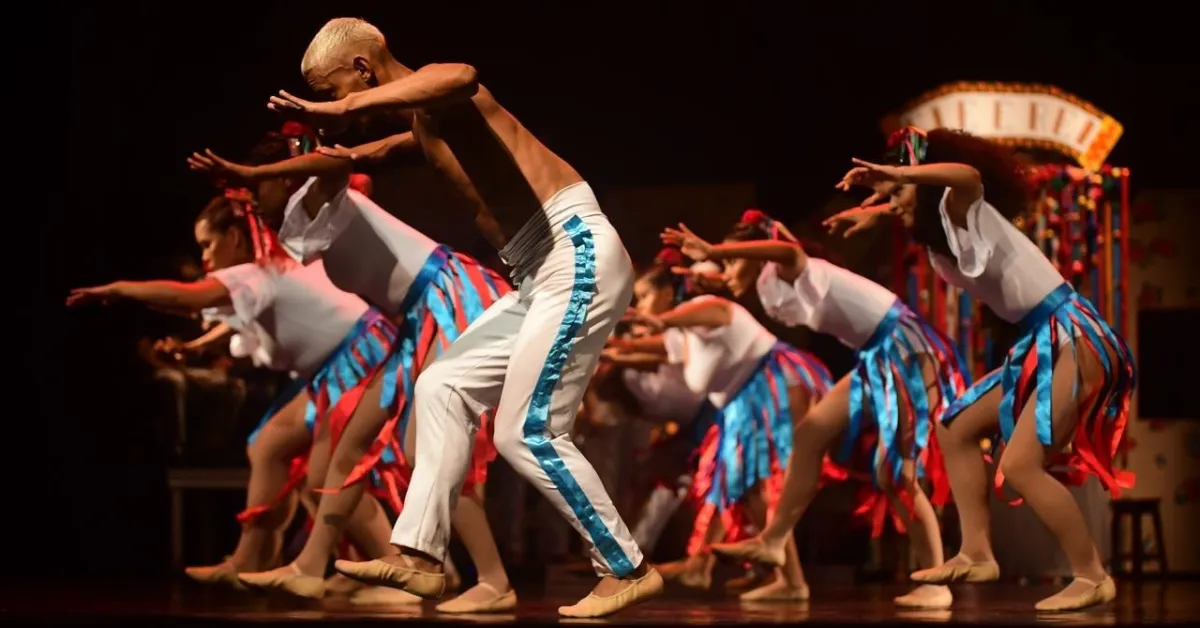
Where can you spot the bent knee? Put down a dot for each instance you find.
(509, 440)
(1020, 470)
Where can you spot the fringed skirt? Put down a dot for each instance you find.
(334, 392)
(888, 383)
(751, 439)
(1027, 377)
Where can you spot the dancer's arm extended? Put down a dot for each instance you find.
(212, 336)
(643, 354)
(788, 255)
(437, 84)
(964, 182)
(171, 295)
(708, 312)
(326, 162)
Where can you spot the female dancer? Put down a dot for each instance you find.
(1066, 382)
(906, 376)
(433, 292)
(760, 387)
(292, 318)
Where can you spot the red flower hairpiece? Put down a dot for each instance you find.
(292, 128)
(670, 257)
(755, 217)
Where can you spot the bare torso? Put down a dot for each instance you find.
(500, 167)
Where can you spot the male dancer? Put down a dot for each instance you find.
(535, 350)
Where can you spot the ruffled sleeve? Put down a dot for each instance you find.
(793, 304)
(676, 345)
(972, 247)
(251, 291)
(307, 238)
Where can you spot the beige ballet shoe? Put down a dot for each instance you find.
(224, 574)
(776, 592)
(341, 586)
(927, 597)
(287, 579)
(383, 596)
(987, 571)
(1097, 593)
(754, 550)
(700, 579)
(592, 606)
(500, 603)
(424, 584)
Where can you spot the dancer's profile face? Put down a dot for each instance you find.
(904, 202)
(741, 275)
(219, 249)
(652, 299)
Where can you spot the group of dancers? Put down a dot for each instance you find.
(415, 365)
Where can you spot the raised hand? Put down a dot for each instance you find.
(220, 169)
(323, 115)
(374, 152)
(688, 242)
(102, 295)
(870, 175)
(855, 219)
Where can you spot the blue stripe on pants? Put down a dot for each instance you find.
(536, 433)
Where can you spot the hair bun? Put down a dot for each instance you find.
(754, 217)
(669, 257)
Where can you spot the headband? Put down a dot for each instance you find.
(301, 139)
(907, 146)
(758, 218)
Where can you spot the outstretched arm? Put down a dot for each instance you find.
(789, 255)
(964, 182)
(709, 312)
(433, 85)
(212, 336)
(170, 295)
(326, 161)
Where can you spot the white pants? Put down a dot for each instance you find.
(530, 356)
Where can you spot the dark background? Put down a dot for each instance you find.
(647, 93)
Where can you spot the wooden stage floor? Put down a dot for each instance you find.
(182, 604)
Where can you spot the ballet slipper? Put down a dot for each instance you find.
(593, 606)
(927, 597)
(383, 596)
(778, 591)
(498, 603)
(223, 574)
(753, 550)
(340, 585)
(1096, 593)
(287, 579)
(946, 573)
(425, 584)
(696, 579)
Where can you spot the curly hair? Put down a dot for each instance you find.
(1005, 181)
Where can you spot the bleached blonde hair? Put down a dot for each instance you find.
(336, 39)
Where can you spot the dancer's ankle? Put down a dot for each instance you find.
(499, 582)
(421, 560)
(975, 555)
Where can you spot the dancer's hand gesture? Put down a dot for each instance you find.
(653, 323)
(102, 295)
(374, 152)
(326, 115)
(856, 219)
(710, 282)
(689, 243)
(870, 175)
(221, 170)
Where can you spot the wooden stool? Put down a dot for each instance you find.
(1135, 510)
(181, 480)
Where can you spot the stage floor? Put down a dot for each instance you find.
(181, 604)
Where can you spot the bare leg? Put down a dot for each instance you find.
(788, 584)
(493, 593)
(1024, 467)
(284, 437)
(969, 481)
(811, 439)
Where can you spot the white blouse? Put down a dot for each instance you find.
(664, 393)
(366, 250)
(995, 262)
(286, 320)
(828, 299)
(718, 361)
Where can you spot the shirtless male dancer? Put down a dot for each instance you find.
(533, 352)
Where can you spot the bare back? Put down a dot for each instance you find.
(502, 169)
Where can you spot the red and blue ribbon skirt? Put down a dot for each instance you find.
(334, 392)
(1027, 377)
(887, 386)
(750, 440)
(448, 294)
